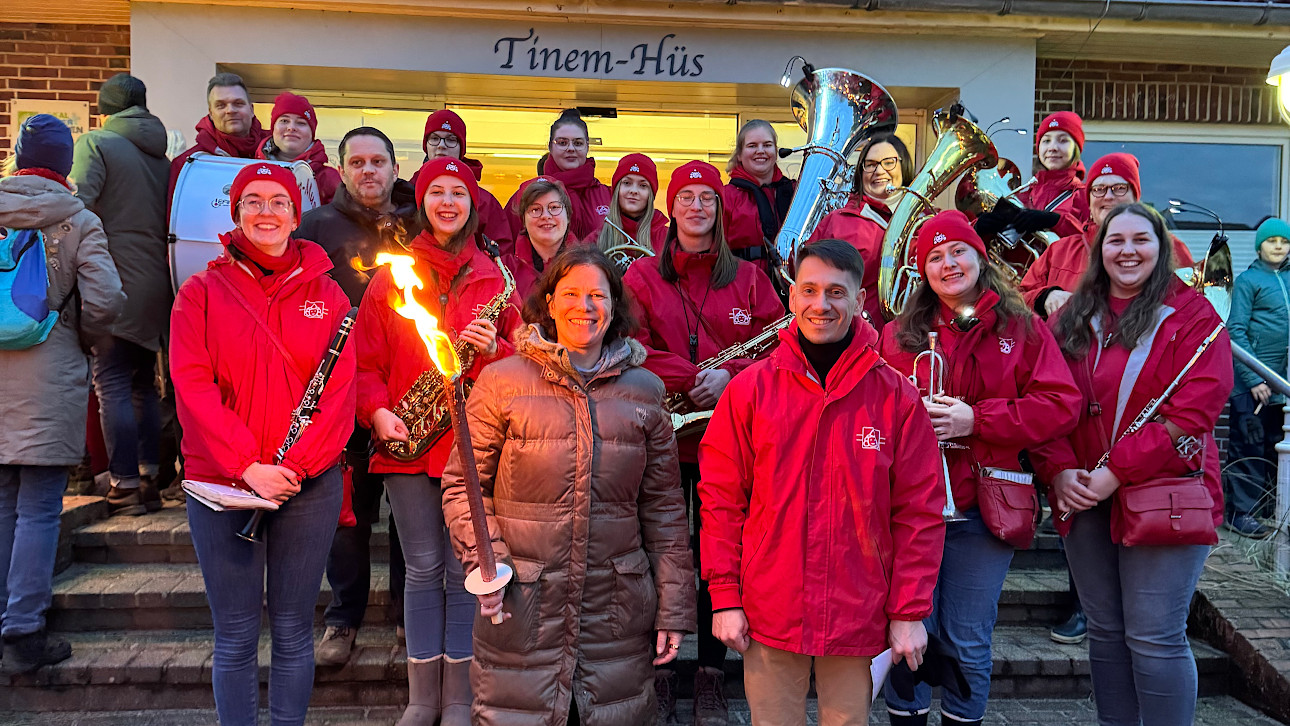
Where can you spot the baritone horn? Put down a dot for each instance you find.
(838, 109)
(625, 253)
(936, 387)
(961, 146)
(983, 190)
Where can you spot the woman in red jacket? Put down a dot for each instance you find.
(546, 232)
(1058, 142)
(758, 195)
(459, 280)
(635, 186)
(293, 137)
(1127, 333)
(567, 163)
(1006, 388)
(694, 300)
(885, 162)
(247, 335)
(445, 136)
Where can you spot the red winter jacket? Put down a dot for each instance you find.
(214, 141)
(391, 355)
(235, 388)
(590, 198)
(1017, 383)
(1187, 318)
(821, 508)
(1049, 183)
(327, 178)
(862, 223)
(657, 232)
(494, 223)
(743, 221)
(1061, 265)
(731, 315)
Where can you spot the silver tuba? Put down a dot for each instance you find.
(839, 109)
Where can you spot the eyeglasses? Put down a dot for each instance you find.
(566, 143)
(1100, 190)
(707, 199)
(888, 164)
(554, 209)
(448, 141)
(256, 205)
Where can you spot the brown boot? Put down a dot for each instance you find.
(127, 502)
(457, 695)
(423, 692)
(150, 494)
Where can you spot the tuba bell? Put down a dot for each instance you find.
(982, 190)
(961, 146)
(838, 109)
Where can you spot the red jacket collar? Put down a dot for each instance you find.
(584, 177)
(314, 263)
(1060, 177)
(212, 140)
(739, 173)
(692, 263)
(860, 357)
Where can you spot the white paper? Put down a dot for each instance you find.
(878, 671)
(222, 496)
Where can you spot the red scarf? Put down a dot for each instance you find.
(445, 264)
(44, 174)
(268, 269)
(210, 138)
(584, 177)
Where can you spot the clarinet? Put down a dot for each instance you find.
(304, 413)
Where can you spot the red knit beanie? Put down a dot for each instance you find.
(693, 172)
(445, 120)
(948, 226)
(637, 164)
(446, 165)
(1120, 164)
(288, 102)
(1067, 121)
(264, 171)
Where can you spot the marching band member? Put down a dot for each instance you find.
(1007, 387)
(634, 190)
(293, 126)
(546, 206)
(577, 464)
(459, 278)
(445, 136)
(1127, 333)
(568, 164)
(230, 127)
(247, 335)
(758, 195)
(821, 506)
(695, 299)
(863, 221)
(1058, 142)
(1051, 280)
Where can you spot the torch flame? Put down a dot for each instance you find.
(436, 341)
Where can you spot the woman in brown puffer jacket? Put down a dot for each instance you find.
(581, 485)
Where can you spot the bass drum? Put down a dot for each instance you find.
(199, 213)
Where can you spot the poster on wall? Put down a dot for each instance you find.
(76, 114)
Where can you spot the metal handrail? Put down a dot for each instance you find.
(1274, 380)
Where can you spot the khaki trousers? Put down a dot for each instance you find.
(776, 682)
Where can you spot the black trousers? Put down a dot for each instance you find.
(1251, 456)
(712, 652)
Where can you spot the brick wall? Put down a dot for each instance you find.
(57, 63)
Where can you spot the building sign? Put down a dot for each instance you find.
(665, 58)
(76, 114)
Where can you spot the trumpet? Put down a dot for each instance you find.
(936, 387)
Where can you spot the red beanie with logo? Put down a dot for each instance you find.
(1119, 164)
(637, 164)
(264, 171)
(288, 102)
(1067, 121)
(945, 227)
(446, 166)
(693, 172)
(445, 120)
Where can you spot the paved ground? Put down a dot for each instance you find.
(1221, 711)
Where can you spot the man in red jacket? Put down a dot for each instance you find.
(229, 128)
(822, 531)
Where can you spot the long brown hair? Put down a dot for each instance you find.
(726, 267)
(1093, 294)
(919, 315)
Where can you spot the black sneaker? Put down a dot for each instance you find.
(1073, 631)
(665, 695)
(710, 707)
(1247, 526)
(26, 653)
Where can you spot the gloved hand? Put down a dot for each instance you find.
(940, 668)
(1033, 220)
(995, 221)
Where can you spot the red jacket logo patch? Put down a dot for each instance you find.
(603, 210)
(739, 316)
(870, 438)
(314, 310)
(1006, 345)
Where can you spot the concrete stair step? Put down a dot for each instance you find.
(115, 670)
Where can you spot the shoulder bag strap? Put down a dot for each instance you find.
(255, 315)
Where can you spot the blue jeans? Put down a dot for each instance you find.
(31, 502)
(965, 608)
(1136, 599)
(438, 613)
(294, 552)
(125, 382)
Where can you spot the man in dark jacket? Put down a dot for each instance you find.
(120, 172)
(373, 211)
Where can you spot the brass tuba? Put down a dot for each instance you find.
(961, 146)
(839, 109)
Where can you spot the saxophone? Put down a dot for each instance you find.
(686, 419)
(424, 408)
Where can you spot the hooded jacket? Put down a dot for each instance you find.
(327, 178)
(821, 503)
(861, 223)
(582, 493)
(120, 172)
(44, 389)
(1260, 321)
